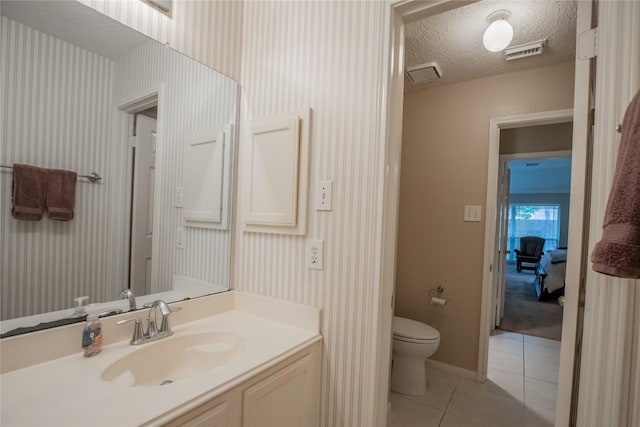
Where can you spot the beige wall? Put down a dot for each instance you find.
(444, 168)
(536, 138)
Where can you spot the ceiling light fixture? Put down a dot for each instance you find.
(499, 33)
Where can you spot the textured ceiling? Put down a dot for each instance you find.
(454, 39)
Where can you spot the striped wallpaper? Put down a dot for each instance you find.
(329, 56)
(208, 31)
(56, 102)
(57, 112)
(610, 367)
(194, 98)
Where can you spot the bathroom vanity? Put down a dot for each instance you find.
(235, 359)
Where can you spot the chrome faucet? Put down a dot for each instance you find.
(152, 333)
(152, 329)
(128, 294)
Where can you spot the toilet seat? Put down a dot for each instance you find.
(412, 331)
(412, 340)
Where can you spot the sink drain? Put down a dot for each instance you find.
(165, 382)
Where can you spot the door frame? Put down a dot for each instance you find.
(502, 231)
(126, 110)
(491, 217)
(138, 288)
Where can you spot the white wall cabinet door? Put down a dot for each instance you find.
(206, 180)
(275, 174)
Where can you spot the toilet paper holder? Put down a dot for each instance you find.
(436, 296)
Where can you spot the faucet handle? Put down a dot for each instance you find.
(138, 336)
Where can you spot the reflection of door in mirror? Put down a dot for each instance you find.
(142, 205)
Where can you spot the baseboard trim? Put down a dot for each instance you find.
(450, 369)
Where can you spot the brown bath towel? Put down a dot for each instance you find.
(29, 189)
(618, 253)
(61, 194)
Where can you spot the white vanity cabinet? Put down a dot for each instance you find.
(222, 411)
(285, 394)
(239, 359)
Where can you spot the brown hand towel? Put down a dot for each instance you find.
(61, 194)
(29, 189)
(618, 253)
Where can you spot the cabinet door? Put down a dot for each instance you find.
(223, 411)
(207, 159)
(283, 399)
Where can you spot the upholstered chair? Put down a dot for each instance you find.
(530, 252)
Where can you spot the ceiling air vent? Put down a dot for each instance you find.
(424, 73)
(524, 50)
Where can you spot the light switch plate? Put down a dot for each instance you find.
(323, 195)
(473, 213)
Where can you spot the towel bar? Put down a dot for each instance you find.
(92, 177)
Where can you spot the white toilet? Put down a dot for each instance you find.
(413, 343)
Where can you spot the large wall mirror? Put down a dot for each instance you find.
(84, 93)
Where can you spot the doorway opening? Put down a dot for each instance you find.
(140, 117)
(532, 233)
(142, 200)
(410, 11)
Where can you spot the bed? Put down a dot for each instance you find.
(550, 273)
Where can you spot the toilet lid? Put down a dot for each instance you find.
(412, 329)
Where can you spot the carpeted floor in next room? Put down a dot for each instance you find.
(523, 313)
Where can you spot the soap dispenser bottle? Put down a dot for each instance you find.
(92, 336)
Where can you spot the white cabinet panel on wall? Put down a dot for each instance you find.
(207, 163)
(276, 174)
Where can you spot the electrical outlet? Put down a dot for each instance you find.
(324, 194)
(180, 238)
(179, 197)
(315, 254)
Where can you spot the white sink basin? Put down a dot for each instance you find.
(171, 359)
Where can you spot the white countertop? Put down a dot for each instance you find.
(69, 391)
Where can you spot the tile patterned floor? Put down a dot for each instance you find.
(520, 390)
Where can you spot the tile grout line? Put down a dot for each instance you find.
(446, 409)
